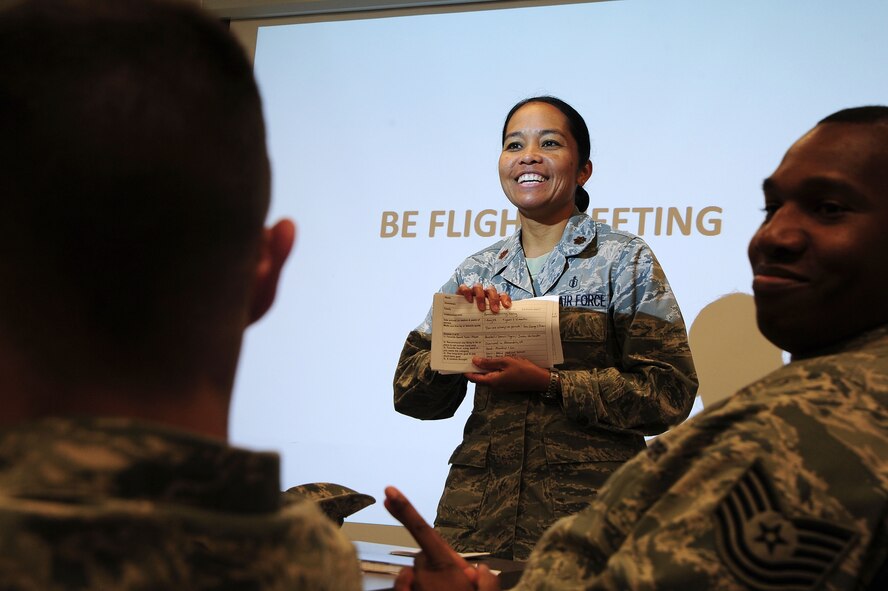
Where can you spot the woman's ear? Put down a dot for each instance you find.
(585, 173)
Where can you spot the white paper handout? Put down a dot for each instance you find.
(460, 331)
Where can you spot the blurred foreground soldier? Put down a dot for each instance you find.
(134, 184)
(785, 484)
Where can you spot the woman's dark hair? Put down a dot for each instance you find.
(578, 130)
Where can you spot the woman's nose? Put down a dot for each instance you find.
(529, 155)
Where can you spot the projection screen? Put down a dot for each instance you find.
(384, 133)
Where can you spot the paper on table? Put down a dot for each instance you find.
(378, 558)
(460, 331)
(466, 555)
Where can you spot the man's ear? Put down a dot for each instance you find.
(277, 241)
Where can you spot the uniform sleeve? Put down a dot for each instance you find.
(321, 557)
(645, 531)
(653, 382)
(652, 526)
(780, 495)
(421, 392)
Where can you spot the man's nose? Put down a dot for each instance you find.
(783, 234)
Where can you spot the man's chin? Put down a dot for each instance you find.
(786, 329)
(799, 336)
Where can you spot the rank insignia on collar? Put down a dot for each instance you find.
(768, 550)
(580, 240)
(503, 254)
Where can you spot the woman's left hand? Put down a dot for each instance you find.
(510, 374)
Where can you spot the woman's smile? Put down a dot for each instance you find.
(539, 168)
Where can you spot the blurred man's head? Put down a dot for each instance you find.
(820, 259)
(134, 182)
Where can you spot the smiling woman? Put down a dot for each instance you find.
(541, 441)
(543, 167)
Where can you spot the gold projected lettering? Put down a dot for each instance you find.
(489, 223)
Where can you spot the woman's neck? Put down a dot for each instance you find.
(538, 239)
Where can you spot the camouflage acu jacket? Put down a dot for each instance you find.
(627, 372)
(108, 504)
(782, 486)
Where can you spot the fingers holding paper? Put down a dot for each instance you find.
(485, 296)
(509, 374)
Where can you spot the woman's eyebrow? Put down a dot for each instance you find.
(534, 131)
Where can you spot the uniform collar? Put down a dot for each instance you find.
(877, 336)
(578, 234)
(96, 458)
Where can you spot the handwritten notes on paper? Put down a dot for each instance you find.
(460, 331)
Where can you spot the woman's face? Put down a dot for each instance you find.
(538, 166)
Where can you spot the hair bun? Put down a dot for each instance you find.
(581, 198)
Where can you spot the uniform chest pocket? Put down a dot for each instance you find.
(584, 337)
(581, 325)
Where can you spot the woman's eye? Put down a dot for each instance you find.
(550, 144)
(770, 209)
(513, 146)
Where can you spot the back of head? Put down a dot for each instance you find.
(869, 115)
(873, 118)
(134, 184)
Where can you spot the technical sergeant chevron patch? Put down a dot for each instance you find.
(768, 550)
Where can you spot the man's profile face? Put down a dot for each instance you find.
(820, 259)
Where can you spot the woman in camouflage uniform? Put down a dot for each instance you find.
(540, 442)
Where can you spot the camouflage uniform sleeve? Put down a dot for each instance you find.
(645, 531)
(653, 383)
(421, 392)
(321, 557)
(779, 487)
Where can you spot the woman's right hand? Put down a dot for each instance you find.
(481, 296)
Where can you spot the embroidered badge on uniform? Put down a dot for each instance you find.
(765, 548)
